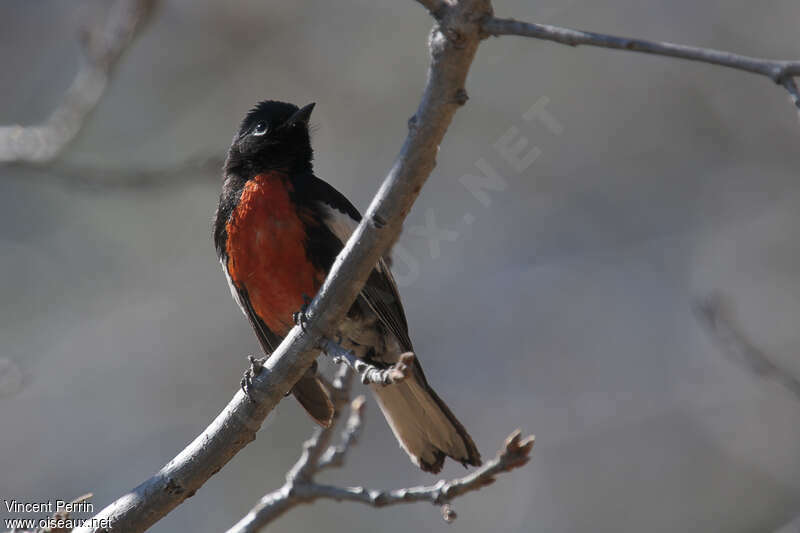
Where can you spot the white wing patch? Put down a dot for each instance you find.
(341, 224)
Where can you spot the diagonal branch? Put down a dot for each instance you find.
(461, 24)
(103, 46)
(453, 44)
(780, 72)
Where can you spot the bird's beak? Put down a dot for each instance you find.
(302, 115)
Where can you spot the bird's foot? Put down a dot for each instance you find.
(299, 317)
(255, 368)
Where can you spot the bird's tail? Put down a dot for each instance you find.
(315, 399)
(426, 428)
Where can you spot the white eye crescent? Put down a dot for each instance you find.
(260, 129)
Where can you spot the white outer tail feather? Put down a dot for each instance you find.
(423, 429)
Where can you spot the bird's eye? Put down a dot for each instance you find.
(260, 129)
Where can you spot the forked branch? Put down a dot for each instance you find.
(452, 52)
(318, 454)
(460, 26)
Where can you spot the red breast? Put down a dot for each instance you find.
(266, 251)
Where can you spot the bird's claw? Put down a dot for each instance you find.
(299, 317)
(255, 368)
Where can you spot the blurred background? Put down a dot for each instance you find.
(563, 303)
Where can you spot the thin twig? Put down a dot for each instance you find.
(103, 46)
(514, 454)
(452, 51)
(318, 454)
(317, 445)
(334, 455)
(370, 374)
(303, 490)
(780, 72)
(717, 316)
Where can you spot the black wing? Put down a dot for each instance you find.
(309, 390)
(341, 217)
(380, 293)
(268, 340)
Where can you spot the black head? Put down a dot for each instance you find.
(273, 136)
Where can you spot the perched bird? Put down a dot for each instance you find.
(277, 230)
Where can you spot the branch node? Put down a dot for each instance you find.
(256, 364)
(455, 37)
(436, 8)
(378, 221)
(173, 487)
(448, 514)
(255, 368)
(461, 96)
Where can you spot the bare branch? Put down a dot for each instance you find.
(334, 455)
(461, 24)
(316, 446)
(317, 454)
(370, 374)
(717, 316)
(302, 489)
(780, 72)
(103, 46)
(452, 49)
(514, 454)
